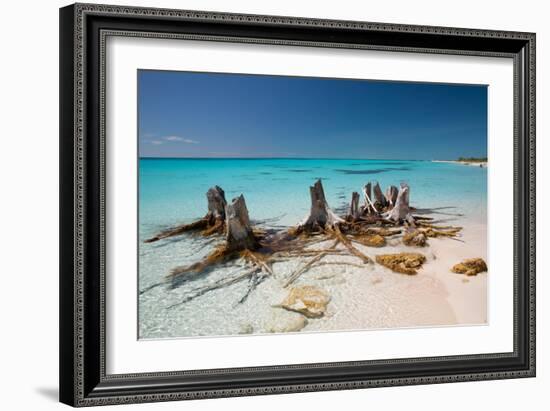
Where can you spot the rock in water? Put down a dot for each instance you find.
(404, 263)
(471, 266)
(307, 300)
(285, 322)
(415, 238)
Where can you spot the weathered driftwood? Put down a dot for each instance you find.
(391, 195)
(401, 211)
(216, 203)
(239, 232)
(224, 282)
(239, 237)
(354, 211)
(320, 216)
(337, 233)
(369, 204)
(379, 198)
(294, 276)
(363, 226)
(212, 222)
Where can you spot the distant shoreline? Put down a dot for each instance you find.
(482, 164)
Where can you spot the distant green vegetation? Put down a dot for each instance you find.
(472, 159)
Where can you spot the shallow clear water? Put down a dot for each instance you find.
(173, 191)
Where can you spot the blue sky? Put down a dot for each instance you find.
(184, 114)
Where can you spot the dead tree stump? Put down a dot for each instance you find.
(212, 222)
(401, 210)
(320, 215)
(391, 195)
(239, 237)
(369, 205)
(239, 232)
(216, 204)
(379, 199)
(354, 211)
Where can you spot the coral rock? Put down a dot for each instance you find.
(286, 322)
(471, 266)
(374, 240)
(404, 263)
(307, 300)
(415, 238)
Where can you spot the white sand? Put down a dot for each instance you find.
(369, 297)
(464, 163)
(376, 297)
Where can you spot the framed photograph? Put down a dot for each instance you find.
(262, 204)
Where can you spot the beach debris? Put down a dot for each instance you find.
(284, 321)
(354, 211)
(294, 276)
(213, 222)
(223, 282)
(404, 263)
(384, 232)
(369, 205)
(433, 231)
(255, 250)
(379, 199)
(470, 266)
(372, 240)
(401, 211)
(240, 239)
(308, 300)
(415, 238)
(391, 195)
(346, 242)
(320, 217)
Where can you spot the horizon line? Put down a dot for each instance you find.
(291, 158)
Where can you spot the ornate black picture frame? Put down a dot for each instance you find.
(83, 30)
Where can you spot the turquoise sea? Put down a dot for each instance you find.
(173, 191)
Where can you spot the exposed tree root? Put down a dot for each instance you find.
(212, 223)
(366, 225)
(201, 224)
(447, 232)
(258, 260)
(224, 282)
(221, 254)
(294, 276)
(347, 243)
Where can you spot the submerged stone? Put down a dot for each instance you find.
(286, 322)
(404, 263)
(471, 266)
(307, 300)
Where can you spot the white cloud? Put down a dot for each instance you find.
(156, 142)
(183, 140)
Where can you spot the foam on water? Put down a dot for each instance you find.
(172, 191)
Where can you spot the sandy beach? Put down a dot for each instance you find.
(361, 297)
(464, 163)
